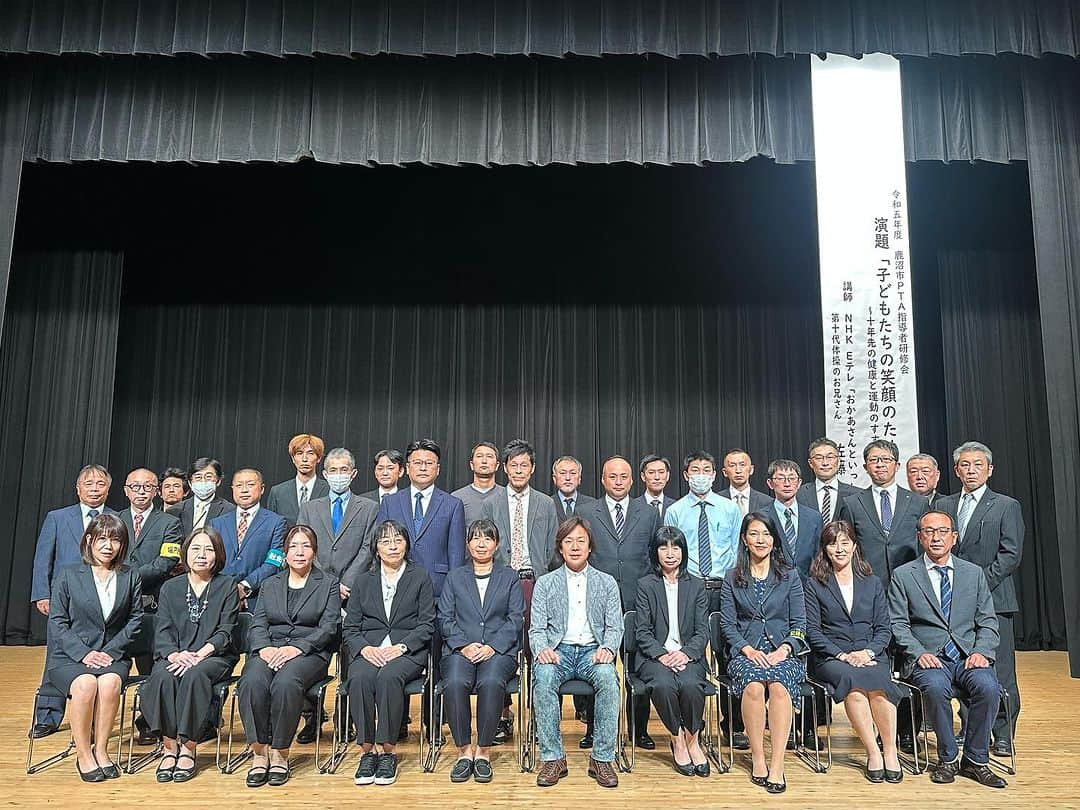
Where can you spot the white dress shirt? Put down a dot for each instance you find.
(744, 494)
(145, 514)
(482, 586)
(624, 503)
(86, 513)
(106, 593)
(671, 591)
(390, 582)
(577, 616)
(250, 512)
(301, 484)
(834, 493)
(848, 592)
(425, 499)
(199, 510)
(891, 489)
(935, 577)
(511, 500)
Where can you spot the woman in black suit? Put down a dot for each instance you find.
(95, 612)
(294, 634)
(481, 612)
(193, 650)
(672, 631)
(763, 612)
(390, 620)
(847, 623)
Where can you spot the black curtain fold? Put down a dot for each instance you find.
(1052, 116)
(540, 27)
(995, 393)
(15, 83)
(57, 369)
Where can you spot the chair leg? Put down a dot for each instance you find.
(31, 766)
(522, 749)
(136, 764)
(339, 741)
(232, 763)
(1001, 765)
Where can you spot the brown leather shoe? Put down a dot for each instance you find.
(551, 771)
(603, 773)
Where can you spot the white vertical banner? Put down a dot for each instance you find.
(863, 243)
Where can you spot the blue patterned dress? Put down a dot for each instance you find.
(790, 672)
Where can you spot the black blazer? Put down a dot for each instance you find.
(412, 613)
(885, 551)
(312, 627)
(497, 623)
(185, 510)
(626, 558)
(832, 629)
(76, 626)
(579, 501)
(781, 615)
(157, 550)
(653, 621)
(174, 631)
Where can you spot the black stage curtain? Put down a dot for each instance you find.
(995, 393)
(540, 27)
(57, 369)
(396, 110)
(1052, 107)
(14, 110)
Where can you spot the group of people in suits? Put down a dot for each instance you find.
(426, 578)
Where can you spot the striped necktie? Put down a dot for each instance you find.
(826, 504)
(789, 530)
(965, 514)
(950, 650)
(620, 520)
(704, 550)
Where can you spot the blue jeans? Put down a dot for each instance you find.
(978, 688)
(575, 662)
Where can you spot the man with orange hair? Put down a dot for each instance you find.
(306, 451)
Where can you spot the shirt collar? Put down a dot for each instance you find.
(86, 509)
(820, 485)
(344, 497)
(251, 510)
(145, 513)
(511, 495)
(390, 491)
(781, 508)
(573, 496)
(930, 565)
(744, 492)
(425, 492)
(576, 574)
(977, 493)
(625, 502)
(891, 489)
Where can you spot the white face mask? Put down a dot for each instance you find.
(700, 483)
(339, 482)
(203, 489)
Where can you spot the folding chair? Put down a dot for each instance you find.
(718, 661)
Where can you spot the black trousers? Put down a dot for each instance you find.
(270, 702)
(378, 694)
(679, 697)
(489, 679)
(179, 708)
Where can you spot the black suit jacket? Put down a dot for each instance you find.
(885, 552)
(372, 495)
(497, 623)
(312, 626)
(626, 558)
(832, 629)
(580, 500)
(185, 510)
(759, 501)
(779, 617)
(412, 613)
(807, 496)
(76, 625)
(156, 551)
(993, 540)
(282, 498)
(174, 630)
(653, 621)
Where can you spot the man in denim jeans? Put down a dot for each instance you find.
(576, 630)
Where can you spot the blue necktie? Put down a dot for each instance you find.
(418, 515)
(886, 511)
(336, 515)
(789, 531)
(704, 550)
(93, 513)
(950, 650)
(619, 520)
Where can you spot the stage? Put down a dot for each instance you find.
(1046, 767)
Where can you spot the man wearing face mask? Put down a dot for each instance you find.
(204, 505)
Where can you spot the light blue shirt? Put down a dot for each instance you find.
(344, 500)
(724, 521)
(780, 509)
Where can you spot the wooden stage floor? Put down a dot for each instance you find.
(1048, 768)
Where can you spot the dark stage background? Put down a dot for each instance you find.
(591, 309)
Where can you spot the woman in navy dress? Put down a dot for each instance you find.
(763, 613)
(847, 625)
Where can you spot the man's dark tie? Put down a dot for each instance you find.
(886, 511)
(789, 530)
(335, 515)
(826, 504)
(303, 495)
(704, 550)
(950, 650)
(659, 504)
(93, 513)
(620, 521)
(418, 515)
(569, 506)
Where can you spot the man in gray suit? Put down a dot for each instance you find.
(946, 631)
(923, 476)
(286, 498)
(826, 492)
(622, 530)
(576, 631)
(389, 467)
(566, 475)
(991, 534)
(737, 467)
(655, 472)
(483, 464)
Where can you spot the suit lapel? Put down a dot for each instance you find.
(322, 515)
(314, 580)
(433, 506)
(402, 585)
(834, 589)
(123, 593)
(605, 519)
(977, 514)
(75, 524)
(685, 608)
(866, 497)
(346, 519)
(922, 577)
(903, 503)
(633, 515)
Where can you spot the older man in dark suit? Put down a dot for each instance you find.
(286, 498)
(826, 492)
(566, 475)
(991, 534)
(622, 531)
(923, 476)
(945, 629)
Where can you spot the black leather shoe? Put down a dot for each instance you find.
(907, 744)
(760, 781)
(180, 774)
(164, 772)
(309, 732)
(684, 770)
(981, 774)
(894, 777)
(42, 730)
(110, 771)
(90, 776)
(586, 741)
(876, 776)
(481, 770)
(504, 730)
(462, 770)
(1002, 748)
(278, 776)
(740, 742)
(256, 776)
(645, 741)
(702, 769)
(776, 787)
(944, 773)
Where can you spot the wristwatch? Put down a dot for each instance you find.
(870, 653)
(404, 649)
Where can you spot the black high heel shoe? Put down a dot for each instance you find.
(90, 776)
(760, 781)
(776, 787)
(685, 770)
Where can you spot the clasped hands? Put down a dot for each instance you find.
(676, 660)
(96, 659)
(181, 661)
(766, 660)
(476, 652)
(381, 656)
(277, 657)
(974, 661)
(857, 658)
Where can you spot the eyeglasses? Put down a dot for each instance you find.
(785, 479)
(390, 542)
(819, 457)
(205, 477)
(881, 460)
(939, 531)
(422, 464)
(141, 487)
(524, 467)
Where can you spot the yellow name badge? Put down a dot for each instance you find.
(170, 550)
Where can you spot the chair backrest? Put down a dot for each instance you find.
(143, 643)
(716, 642)
(241, 632)
(629, 640)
